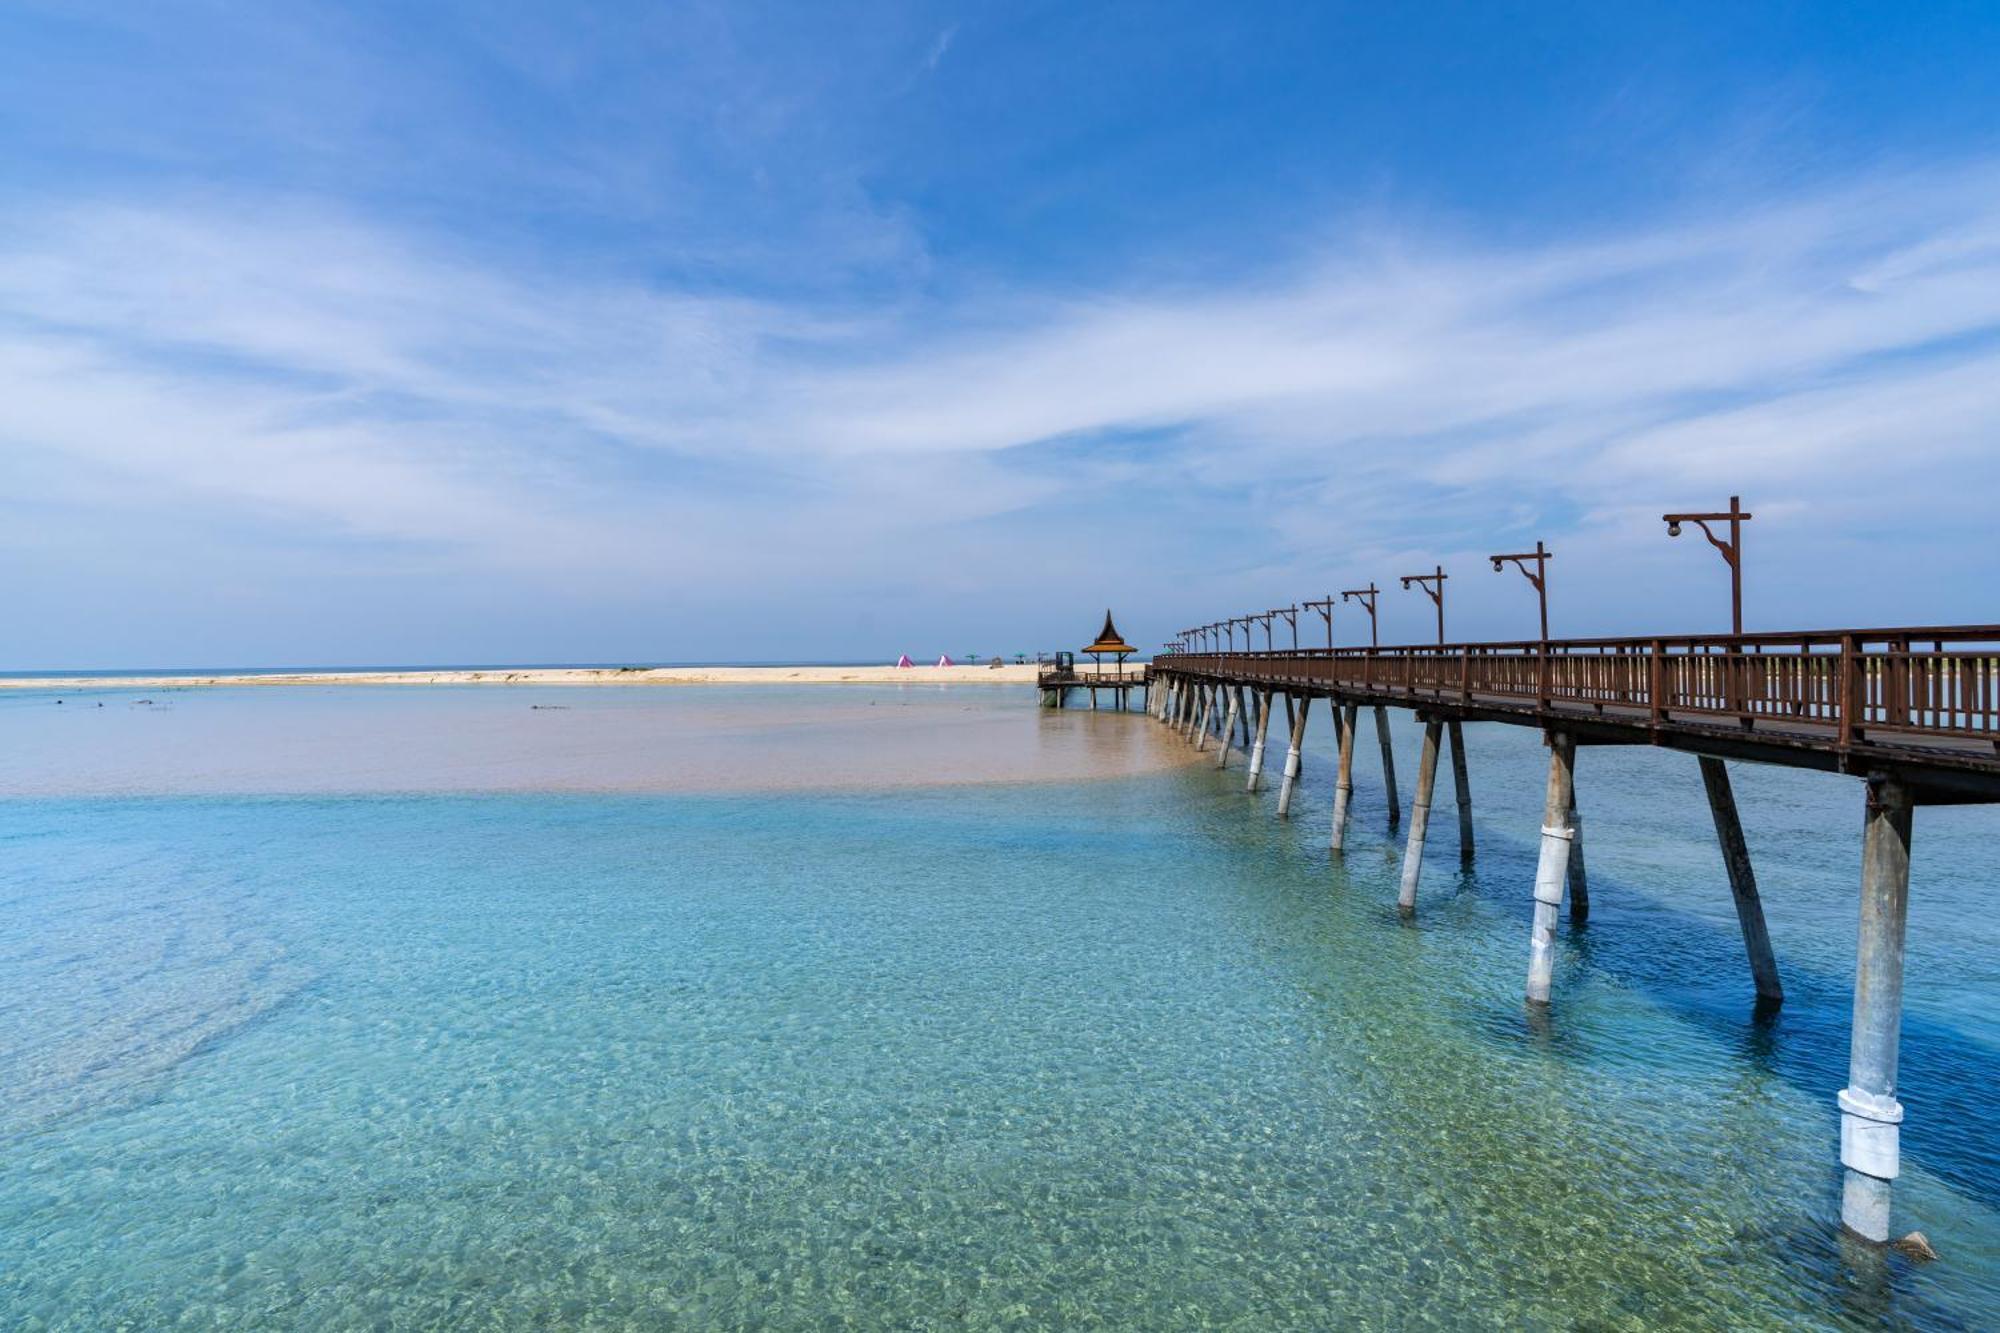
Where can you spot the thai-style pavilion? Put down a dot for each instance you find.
(1061, 677)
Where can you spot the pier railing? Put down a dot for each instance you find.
(1848, 686)
(1085, 675)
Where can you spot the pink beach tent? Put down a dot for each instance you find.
(946, 660)
(904, 661)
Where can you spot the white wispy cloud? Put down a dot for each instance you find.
(1832, 350)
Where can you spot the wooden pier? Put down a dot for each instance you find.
(1914, 713)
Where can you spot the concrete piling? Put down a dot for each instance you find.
(1742, 881)
(1553, 866)
(1257, 746)
(1420, 817)
(1292, 758)
(1239, 711)
(1228, 730)
(1346, 720)
(1388, 766)
(1870, 1115)
(1461, 782)
(1292, 724)
(1579, 880)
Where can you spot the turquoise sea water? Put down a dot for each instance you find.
(1123, 1051)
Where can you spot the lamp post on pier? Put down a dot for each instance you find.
(1366, 596)
(1732, 549)
(1325, 608)
(1291, 615)
(1538, 576)
(1433, 586)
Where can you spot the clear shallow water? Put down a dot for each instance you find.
(1122, 1052)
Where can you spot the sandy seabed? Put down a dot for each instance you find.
(921, 730)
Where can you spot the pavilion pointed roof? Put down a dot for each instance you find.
(1108, 640)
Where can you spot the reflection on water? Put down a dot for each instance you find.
(1126, 1053)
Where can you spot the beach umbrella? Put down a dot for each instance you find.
(904, 661)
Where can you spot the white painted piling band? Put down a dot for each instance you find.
(1869, 1134)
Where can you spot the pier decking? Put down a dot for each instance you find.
(1058, 684)
(1914, 712)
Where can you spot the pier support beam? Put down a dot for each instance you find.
(1347, 721)
(1420, 818)
(1553, 867)
(1201, 728)
(1291, 719)
(1742, 881)
(1228, 728)
(1292, 757)
(1870, 1115)
(1461, 783)
(1579, 879)
(1257, 747)
(1388, 766)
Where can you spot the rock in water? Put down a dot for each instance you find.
(1916, 1246)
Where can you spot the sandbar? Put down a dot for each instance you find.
(1007, 674)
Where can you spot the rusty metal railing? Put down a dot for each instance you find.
(1853, 685)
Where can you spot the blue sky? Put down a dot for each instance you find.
(503, 332)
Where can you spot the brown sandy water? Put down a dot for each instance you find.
(357, 739)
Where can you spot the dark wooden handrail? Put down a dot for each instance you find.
(1847, 685)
